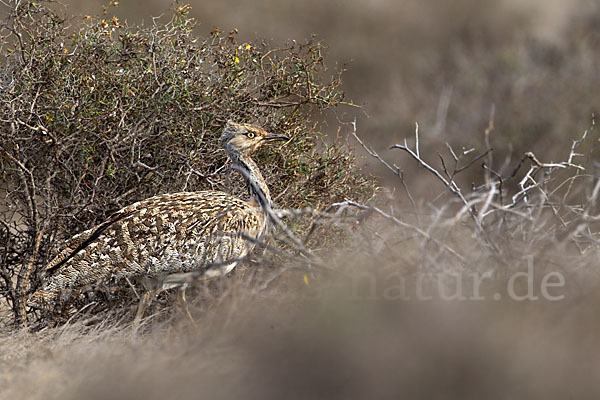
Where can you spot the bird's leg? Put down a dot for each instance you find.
(146, 299)
(181, 299)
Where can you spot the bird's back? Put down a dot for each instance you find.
(177, 232)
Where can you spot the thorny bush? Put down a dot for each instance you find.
(96, 114)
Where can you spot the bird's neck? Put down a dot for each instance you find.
(259, 191)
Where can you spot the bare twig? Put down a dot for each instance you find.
(395, 169)
(486, 137)
(451, 185)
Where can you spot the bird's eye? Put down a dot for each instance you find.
(250, 135)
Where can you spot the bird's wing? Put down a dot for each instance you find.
(137, 233)
(81, 240)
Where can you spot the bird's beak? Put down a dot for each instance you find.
(274, 136)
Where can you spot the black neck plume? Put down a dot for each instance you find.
(256, 184)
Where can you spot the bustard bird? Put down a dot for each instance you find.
(158, 239)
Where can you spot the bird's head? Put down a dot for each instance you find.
(245, 139)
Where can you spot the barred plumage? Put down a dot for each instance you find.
(163, 236)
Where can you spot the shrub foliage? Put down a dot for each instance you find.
(96, 114)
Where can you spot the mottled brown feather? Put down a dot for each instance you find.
(178, 232)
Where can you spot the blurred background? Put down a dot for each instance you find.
(443, 64)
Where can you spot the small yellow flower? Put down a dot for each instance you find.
(49, 118)
(237, 60)
(248, 47)
(306, 279)
(183, 61)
